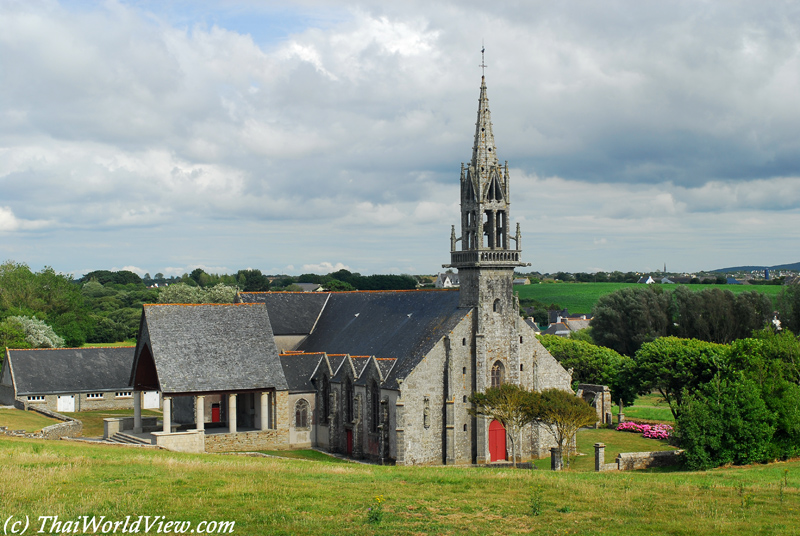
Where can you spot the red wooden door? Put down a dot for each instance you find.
(349, 442)
(497, 442)
(214, 412)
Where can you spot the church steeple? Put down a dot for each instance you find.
(485, 238)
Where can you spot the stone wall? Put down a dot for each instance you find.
(188, 441)
(248, 441)
(642, 460)
(629, 461)
(68, 428)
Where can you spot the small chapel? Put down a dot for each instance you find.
(383, 376)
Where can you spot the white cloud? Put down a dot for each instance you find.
(192, 141)
(324, 267)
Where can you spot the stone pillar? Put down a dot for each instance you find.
(200, 412)
(232, 413)
(167, 425)
(609, 418)
(599, 456)
(621, 418)
(555, 459)
(137, 412)
(263, 409)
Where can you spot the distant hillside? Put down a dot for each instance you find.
(794, 266)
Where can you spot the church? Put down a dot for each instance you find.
(383, 376)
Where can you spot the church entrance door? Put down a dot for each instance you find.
(497, 442)
(349, 442)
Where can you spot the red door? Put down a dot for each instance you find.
(349, 442)
(497, 442)
(214, 412)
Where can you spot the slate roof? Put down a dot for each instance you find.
(291, 313)
(71, 370)
(557, 328)
(385, 364)
(400, 324)
(298, 368)
(210, 348)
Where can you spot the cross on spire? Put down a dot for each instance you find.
(483, 61)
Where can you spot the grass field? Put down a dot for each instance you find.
(267, 496)
(30, 421)
(579, 298)
(649, 407)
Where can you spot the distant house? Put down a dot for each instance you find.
(522, 281)
(533, 325)
(646, 280)
(71, 379)
(447, 280)
(667, 281)
(734, 281)
(557, 328)
(310, 287)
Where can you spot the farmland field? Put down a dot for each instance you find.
(579, 298)
(278, 496)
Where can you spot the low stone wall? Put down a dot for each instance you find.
(188, 441)
(112, 425)
(246, 441)
(69, 428)
(629, 461)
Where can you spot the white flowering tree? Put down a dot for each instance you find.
(37, 333)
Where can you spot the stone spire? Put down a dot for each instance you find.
(484, 152)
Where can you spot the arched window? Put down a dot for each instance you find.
(376, 406)
(496, 307)
(498, 374)
(323, 406)
(348, 401)
(301, 414)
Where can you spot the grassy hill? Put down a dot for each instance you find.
(580, 297)
(276, 496)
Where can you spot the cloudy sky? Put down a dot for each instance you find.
(314, 135)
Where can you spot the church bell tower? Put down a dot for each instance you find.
(486, 253)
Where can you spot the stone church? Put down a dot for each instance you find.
(378, 375)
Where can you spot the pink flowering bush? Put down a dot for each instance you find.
(650, 431)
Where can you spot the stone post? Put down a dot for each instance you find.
(232, 413)
(137, 412)
(609, 418)
(200, 412)
(555, 459)
(167, 425)
(264, 408)
(599, 456)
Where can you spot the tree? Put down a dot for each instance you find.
(12, 336)
(252, 281)
(37, 333)
(591, 364)
(629, 317)
(673, 366)
(563, 414)
(180, 293)
(509, 404)
(337, 286)
(789, 307)
(725, 422)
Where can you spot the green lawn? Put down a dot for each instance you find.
(266, 496)
(93, 420)
(579, 298)
(30, 421)
(615, 442)
(305, 454)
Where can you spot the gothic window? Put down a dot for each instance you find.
(348, 401)
(498, 374)
(426, 413)
(376, 407)
(324, 408)
(497, 307)
(301, 414)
